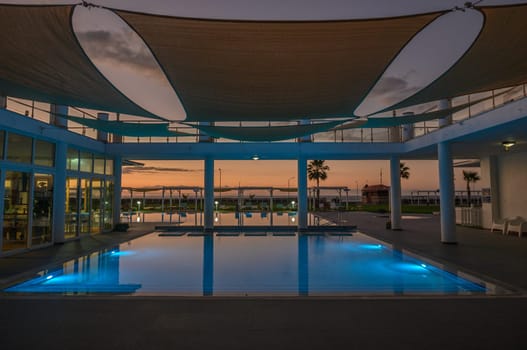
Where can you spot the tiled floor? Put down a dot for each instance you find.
(108, 322)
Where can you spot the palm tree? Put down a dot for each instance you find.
(317, 170)
(470, 176)
(404, 171)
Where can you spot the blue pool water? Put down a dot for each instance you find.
(249, 265)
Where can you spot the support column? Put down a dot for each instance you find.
(447, 120)
(446, 193)
(395, 193)
(163, 204)
(102, 136)
(55, 116)
(59, 192)
(144, 206)
(395, 131)
(306, 138)
(408, 129)
(209, 194)
(131, 210)
(205, 137)
(271, 205)
(117, 177)
(117, 138)
(302, 194)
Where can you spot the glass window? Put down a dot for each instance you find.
(42, 209)
(44, 153)
(98, 164)
(86, 162)
(95, 214)
(16, 213)
(72, 163)
(2, 137)
(72, 203)
(19, 148)
(84, 205)
(109, 166)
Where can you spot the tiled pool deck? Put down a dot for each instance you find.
(106, 322)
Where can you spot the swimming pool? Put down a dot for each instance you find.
(234, 264)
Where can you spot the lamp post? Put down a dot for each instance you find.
(357, 194)
(138, 211)
(291, 178)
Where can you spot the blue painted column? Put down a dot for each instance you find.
(102, 136)
(117, 174)
(447, 120)
(446, 193)
(59, 192)
(56, 119)
(395, 193)
(302, 194)
(209, 194)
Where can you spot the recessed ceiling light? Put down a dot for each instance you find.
(508, 144)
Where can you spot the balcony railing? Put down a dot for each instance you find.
(496, 98)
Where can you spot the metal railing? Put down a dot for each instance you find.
(497, 98)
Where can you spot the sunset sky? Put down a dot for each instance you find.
(423, 174)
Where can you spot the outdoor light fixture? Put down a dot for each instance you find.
(256, 157)
(508, 144)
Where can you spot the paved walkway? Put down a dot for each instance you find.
(15, 266)
(486, 254)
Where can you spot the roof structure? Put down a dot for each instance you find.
(234, 70)
(42, 60)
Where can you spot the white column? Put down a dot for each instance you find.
(271, 205)
(408, 129)
(163, 204)
(302, 194)
(395, 193)
(205, 137)
(446, 193)
(59, 192)
(395, 131)
(55, 112)
(209, 194)
(117, 138)
(445, 104)
(306, 138)
(117, 177)
(102, 135)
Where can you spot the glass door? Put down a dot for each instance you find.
(16, 210)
